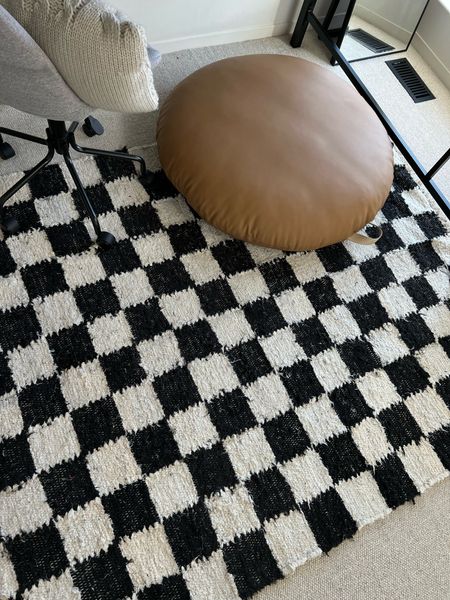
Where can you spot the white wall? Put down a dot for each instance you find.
(433, 38)
(396, 17)
(176, 24)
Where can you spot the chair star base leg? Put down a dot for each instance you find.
(60, 140)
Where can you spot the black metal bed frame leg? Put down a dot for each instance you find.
(302, 23)
(438, 166)
(107, 153)
(343, 29)
(330, 14)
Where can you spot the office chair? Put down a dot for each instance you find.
(30, 82)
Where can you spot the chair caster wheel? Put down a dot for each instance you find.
(9, 225)
(92, 127)
(6, 151)
(105, 239)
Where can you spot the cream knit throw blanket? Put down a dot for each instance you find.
(101, 55)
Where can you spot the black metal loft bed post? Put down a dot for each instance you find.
(306, 18)
(438, 166)
(302, 23)
(330, 14)
(344, 26)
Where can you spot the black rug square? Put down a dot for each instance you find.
(400, 427)
(49, 182)
(216, 297)
(67, 486)
(97, 424)
(414, 332)
(130, 509)
(279, 276)
(286, 436)
(191, 534)
(301, 383)
(197, 340)
(233, 257)
(271, 494)
(123, 369)
(97, 299)
(69, 239)
(341, 457)
(350, 405)
(154, 447)
(312, 336)
(168, 277)
(368, 312)
(394, 482)
(103, 576)
(251, 563)
(211, 470)
(146, 320)
(186, 238)
(37, 555)
(44, 279)
(16, 462)
(176, 390)
(322, 294)
(71, 347)
(231, 413)
(329, 520)
(335, 258)
(249, 361)
(264, 316)
(18, 327)
(408, 376)
(140, 220)
(41, 402)
(98, 197)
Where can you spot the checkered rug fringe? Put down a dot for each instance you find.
(188, 417)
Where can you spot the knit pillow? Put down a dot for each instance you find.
(101, 55)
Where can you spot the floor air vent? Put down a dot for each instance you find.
(410, 79)
(369, 41)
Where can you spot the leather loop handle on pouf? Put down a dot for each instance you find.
(366, 240)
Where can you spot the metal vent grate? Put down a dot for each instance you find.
(410, 79)
(370, 41)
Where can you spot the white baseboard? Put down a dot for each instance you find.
(221, 37)
(437, 66)
(227, 37)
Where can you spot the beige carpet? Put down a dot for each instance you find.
(406, 556)
(403, 557)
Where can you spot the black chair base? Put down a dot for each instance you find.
(6, 150)
(60, 140)
(92, 127)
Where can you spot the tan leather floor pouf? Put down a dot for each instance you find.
(276, 151)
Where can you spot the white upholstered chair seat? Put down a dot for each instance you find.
(28, 79)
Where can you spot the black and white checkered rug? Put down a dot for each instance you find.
(185, 416)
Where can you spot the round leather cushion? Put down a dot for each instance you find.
(276, 151)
